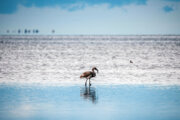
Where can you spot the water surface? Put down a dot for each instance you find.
(61, 59)
(128, 102)
(39, 77)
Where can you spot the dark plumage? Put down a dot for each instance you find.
(131, 61)
(89, 75)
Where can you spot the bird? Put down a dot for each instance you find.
(131, 61)
(89, 74)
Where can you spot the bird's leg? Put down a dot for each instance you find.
(86, 82)
(89, 82)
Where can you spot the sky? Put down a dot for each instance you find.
(122, 17)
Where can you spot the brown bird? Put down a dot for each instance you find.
(89, 75)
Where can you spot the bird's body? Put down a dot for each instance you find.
(89, 74)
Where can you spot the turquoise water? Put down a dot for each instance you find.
(111, 102)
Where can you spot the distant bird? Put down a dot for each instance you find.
(89, 75)
(131, 61)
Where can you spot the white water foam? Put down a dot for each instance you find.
(60, 60)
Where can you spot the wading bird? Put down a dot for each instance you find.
(89, 75)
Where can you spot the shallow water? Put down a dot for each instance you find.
(39, 77)
(61, 59)
(132, 102)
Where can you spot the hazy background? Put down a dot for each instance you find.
(90, 16)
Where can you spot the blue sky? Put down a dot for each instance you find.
(91, 16)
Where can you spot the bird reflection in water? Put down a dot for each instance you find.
(89, 93)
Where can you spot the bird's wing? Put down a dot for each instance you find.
(86, 74)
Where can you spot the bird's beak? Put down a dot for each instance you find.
(97, 70)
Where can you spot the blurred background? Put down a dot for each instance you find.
(21, 17)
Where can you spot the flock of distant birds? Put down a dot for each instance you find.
(26, 31)
(90, 74)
